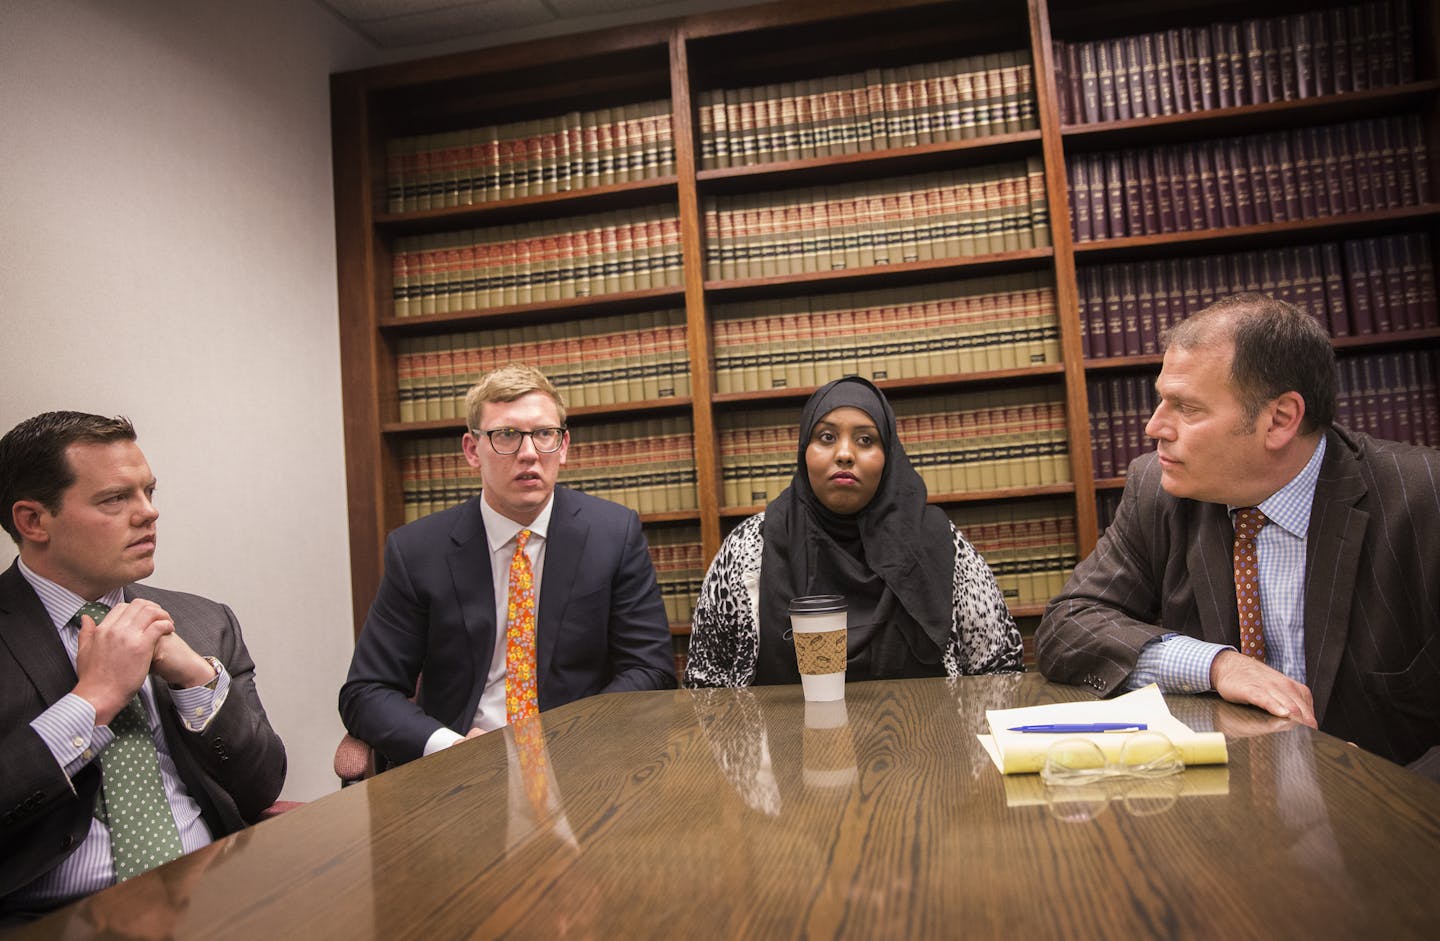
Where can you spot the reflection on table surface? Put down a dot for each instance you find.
(749, 813)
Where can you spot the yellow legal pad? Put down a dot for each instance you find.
(1024, 752)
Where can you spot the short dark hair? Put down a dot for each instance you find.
(33, 465)
(1278, 348)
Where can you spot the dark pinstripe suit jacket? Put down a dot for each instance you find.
(1372, 593)
(234, 769)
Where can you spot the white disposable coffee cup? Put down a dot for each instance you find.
(818, 623)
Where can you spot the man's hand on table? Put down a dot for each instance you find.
(1245, 680)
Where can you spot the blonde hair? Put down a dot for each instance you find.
(507, 384)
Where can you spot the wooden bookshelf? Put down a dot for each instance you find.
(801, 45)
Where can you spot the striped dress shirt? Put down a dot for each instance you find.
(1181, 664)
(68, 729)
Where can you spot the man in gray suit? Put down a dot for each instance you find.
(160, 678)
(1348, 569)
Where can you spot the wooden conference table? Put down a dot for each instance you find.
(720, 814)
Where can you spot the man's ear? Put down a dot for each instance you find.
(31, 520)
(1285, 415)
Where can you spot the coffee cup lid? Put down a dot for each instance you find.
(817, 604)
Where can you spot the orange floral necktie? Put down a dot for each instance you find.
(1248, 523)
(520, 697)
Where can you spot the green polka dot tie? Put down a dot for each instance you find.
(132, 798)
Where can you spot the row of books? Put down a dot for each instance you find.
(1361, 286)
(601, 361)
(958, 443)
(679, 567)
(529, 263)
(434, 475)
(980, 325)
(877, 109)
(1030, 546)
(971, 211)
(1236, 62)
(1279, 176)
(1394, 396)
(647, 465)
(555, 154)
(1120, 407)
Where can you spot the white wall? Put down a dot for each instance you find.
(167, 253)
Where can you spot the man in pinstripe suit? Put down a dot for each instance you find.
(76, 495)
(1348, 558)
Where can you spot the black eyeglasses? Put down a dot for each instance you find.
(508, 440)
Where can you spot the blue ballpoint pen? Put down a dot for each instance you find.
(1083, 727)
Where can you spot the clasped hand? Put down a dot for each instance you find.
(135, 639)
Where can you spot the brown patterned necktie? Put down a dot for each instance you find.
(1248, 523)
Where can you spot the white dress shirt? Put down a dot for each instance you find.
(500, 533)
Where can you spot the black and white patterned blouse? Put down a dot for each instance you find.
(725, 633)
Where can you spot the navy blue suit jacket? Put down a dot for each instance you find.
(601, 626)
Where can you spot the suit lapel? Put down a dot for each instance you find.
(1337, 531)
(564, 550)
(26, 631)
(474, 585)
(1210, 560)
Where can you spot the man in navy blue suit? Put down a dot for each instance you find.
(443, 607)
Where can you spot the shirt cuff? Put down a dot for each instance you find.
(441, 739)
(1176, 663)
(198, 705)
(68, 729)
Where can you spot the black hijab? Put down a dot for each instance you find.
(894, 561)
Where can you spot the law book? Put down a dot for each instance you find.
(805, 119)
(1105, 79)
(1220, 66)
(1129, 310)
(1078, 178)
(1131, 208)
(1091, 316)
(1380, 289)
(1090, 104)
(1113, 311)
(1357, 278)
(1117, 223)
(1152, 89)
(1120, 64)
(1403, 257)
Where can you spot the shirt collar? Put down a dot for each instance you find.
(1289, 507)
(501, 530)
(60, 602)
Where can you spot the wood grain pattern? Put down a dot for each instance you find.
(720, 814)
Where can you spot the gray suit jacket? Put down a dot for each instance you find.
(1372, 592)
(234, 769)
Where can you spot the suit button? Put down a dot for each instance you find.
(220, 749)
(68, 841)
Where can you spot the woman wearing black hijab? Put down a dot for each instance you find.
(853, 522)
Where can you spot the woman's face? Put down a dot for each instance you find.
(845, 460)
